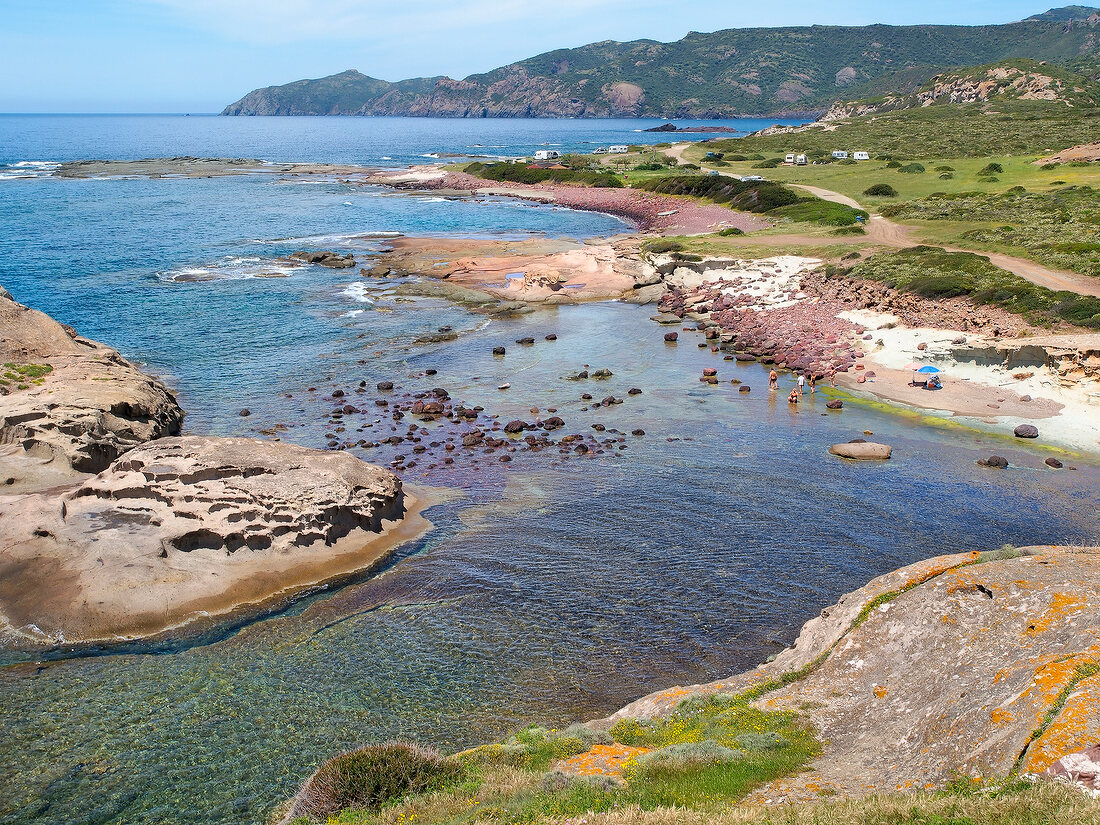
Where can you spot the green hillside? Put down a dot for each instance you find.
(762, 71)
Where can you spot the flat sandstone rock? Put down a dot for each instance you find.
(862, 450)
(182, 528)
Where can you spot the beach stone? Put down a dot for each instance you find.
(384, 386)
(996, 461)
(553, 423)
(637, 432)
(634, 391)
(602, 373)
(551, 337)
(245, 413)
(516, 426)
(835, 404)
(671, 337)
(108, 557)
(861, 450)
(498, 350)
(1026, 431)
(744, 388)
(1054, 463)
(525, 341)
(709, 371)
(338, 394)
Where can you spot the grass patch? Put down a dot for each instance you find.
(936, 274)
(23, 375)
(1003, 553)
(815, 210)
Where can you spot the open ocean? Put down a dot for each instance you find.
(549, 591)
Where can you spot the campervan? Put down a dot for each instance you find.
(617, 150)
(860, 156)
(547, 154)
(801, 160)
(840, 154)
(789, 158)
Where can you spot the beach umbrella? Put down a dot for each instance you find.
(913, 365)
(928, 370)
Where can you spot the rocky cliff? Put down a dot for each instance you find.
(764, 71)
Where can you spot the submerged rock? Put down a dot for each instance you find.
(861, 450)
(997, 461)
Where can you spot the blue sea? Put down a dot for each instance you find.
(552, 588)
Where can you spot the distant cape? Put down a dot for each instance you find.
(772, 72)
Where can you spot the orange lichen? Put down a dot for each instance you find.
(1076, 727)
(1000, 716)
(881, 691)
(1062, 605)
(601, 760)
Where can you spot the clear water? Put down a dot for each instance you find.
(553, 589)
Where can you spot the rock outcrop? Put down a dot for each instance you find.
(184, 527)
(971, 663)
(69, 405)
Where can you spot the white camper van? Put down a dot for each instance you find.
(547, 154)
(801, 160)
(789, 158)
(840, 154)
(860, 156)
(617, 150)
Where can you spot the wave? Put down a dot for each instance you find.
(359, 292)
(28, 169)
(230, 267)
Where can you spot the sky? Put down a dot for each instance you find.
(199, 55)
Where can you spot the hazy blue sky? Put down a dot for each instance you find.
(198, 55)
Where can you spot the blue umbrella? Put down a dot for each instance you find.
(928, 370)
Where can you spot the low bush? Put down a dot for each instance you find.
(815, 210)
(767, 164)
(748, 196)
(912, 169)
(522, 173)
(945, 168)
(894, 164)
(374, 775)
(881, 190)
(659, 247)
(992, 169)
(731, 230)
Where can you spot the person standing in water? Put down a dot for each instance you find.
(801, 383)
(773, 380)
(812, 381)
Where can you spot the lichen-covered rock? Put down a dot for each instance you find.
(184, 526)
(956, 664)
(88, 409)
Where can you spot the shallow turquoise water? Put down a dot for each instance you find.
(555, 589)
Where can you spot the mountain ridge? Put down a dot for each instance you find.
(728, 73)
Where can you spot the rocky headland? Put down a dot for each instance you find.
(115, 527)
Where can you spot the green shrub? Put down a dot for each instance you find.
(815, 210)
(522, 173)
(717, 163)
(945, 168)
(767, 741)
(731, 230)
(735, 157)
(659, 247)
(881, 190)
(755, 156)
(649, 167)
(767, 164)
(687, 257)
(374, 775)
(748, 196)
(912, 169)
(947, 176)
(894, 164)
(692, 166)
(991, 169)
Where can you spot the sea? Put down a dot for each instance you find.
(550, 589)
